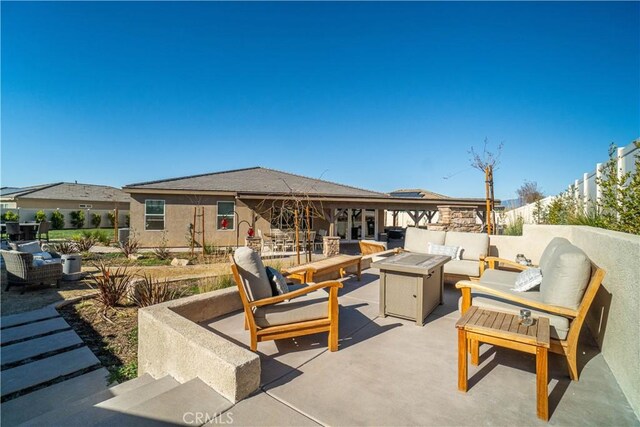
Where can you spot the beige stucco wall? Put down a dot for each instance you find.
(614, 317)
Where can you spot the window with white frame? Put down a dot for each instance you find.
(154, 215)
(225, 219)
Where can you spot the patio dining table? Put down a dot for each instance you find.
(27, 229)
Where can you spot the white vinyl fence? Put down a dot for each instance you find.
(586, 189)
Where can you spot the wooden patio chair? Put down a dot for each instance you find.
(500, 298)
(368, 247)
(301, 312)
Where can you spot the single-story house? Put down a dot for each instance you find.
(65, 197)
(224, 205)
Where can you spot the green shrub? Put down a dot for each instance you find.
(10, 216)
(85, 241)
(101, 236)
(515, 228)
(112, 218)
(40, 216)
(77, 218)
(96, 219)
(57, 220)
(123, 373)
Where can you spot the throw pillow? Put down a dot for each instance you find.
(453, 251)
(42, 255)
(528, 279)
(31, 247)
(277, 281)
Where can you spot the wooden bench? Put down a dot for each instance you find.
(339, 263)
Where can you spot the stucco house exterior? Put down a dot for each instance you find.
(236, 200)
(65, 197)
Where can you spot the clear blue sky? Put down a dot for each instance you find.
(376, 95)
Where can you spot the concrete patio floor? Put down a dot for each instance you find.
(390, 372)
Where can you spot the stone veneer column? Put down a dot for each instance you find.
(456, 218)
(330, 245)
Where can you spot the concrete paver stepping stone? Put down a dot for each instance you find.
(32, 329)
(44, 370)
(28, 349)
(41, 401)
(28, 316)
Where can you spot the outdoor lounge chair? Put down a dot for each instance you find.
(570, 282)
(22, 271)
(304, 311)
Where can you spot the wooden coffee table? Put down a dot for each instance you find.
(339, 263)
(502, 329)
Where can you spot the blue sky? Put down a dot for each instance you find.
(376, 95)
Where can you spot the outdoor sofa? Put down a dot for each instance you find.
(474, 249)
(31, 265)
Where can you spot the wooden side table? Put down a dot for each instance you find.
(502, 329)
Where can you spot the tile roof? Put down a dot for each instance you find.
(257, 180)
(70, 191)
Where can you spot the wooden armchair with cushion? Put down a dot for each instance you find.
(304, 311)
(570, 282)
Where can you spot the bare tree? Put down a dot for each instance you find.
(487, 161)
(529, 192)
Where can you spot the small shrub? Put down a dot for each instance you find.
(131, 246)
(112, 286)
(96, 219)
(77, 218)
(66, 247)
(57, 220)
(515, 228)
(102, 237)
(150, 291)
(85, 241)
(162, 252)
(123, 373)
(40, 216)
(209, 284)
(10, 216)
(112, 218)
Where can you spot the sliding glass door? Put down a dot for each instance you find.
(356, 224)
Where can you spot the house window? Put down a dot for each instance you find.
(226, 216)
(154, 214)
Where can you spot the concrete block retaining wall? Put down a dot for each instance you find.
(171, 342)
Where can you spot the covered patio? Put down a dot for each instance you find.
(388, 371)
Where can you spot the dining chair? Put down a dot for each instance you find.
(43, 228)
(13, 231)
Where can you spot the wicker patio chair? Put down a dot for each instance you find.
(22, 272)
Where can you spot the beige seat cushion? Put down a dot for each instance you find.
(547, 254)
(565, 277)
(312, 306)
(253, 274)
(462, 268)
(559, 325)
(501, 278)
(474, 245)
(416, 239)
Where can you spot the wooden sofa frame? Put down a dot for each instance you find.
(567, 347)
(260, 334)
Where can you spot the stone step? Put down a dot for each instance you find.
(24, 350)
(28, 317)
(87, 412)
(191, 403)
(57, 396)
(41, 371)
(131, 384)
(9, 335)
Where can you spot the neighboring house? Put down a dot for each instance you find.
(233, 201)
(65, 197)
